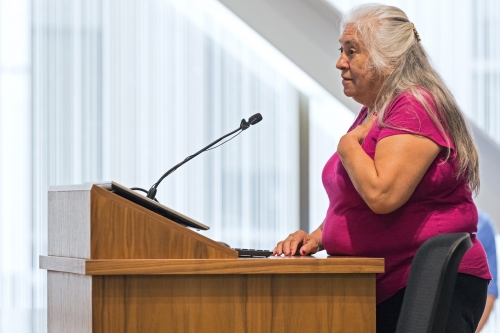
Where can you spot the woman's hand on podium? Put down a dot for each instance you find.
(300, 243)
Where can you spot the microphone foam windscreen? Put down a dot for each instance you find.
(255, 119)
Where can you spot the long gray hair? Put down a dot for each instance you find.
(396, 53)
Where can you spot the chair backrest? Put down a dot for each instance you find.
(431, 282)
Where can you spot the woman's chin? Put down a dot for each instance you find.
(348, 92)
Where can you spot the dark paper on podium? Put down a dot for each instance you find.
(152, 205)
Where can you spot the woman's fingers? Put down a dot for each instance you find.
(310, 246)
(290, 245)
(296, 240)
(360, 132)
(278, 250)
(294, 244)
(371, 120)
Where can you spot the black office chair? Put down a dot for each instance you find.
(431, 282)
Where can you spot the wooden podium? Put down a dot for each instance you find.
(114, 266)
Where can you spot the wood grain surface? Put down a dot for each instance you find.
(114, 266)
(234, 303)
(121, 229)
(98, 224)
(272, 265)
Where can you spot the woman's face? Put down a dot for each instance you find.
(359, 82)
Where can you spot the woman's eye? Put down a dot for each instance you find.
(341, 49)
(351, 52)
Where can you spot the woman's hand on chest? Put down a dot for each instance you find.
(386, 182)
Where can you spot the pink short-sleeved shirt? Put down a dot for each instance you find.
(440, 204)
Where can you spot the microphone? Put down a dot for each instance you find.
(255, 119)
(151, 194)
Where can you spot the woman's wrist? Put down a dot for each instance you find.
(318, 241)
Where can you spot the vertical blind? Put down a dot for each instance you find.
(16, 233)
(123, 90)
(485, 65)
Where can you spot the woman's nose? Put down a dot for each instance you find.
(342, 63)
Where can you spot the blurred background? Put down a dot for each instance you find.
(122, 90)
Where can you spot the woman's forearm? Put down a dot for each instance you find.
(388, 180)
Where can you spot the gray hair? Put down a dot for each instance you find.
(394, 51)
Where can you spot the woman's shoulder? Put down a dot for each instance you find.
(413, 99)
(414, 111)
(410, 106)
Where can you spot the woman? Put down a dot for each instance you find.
(404, 172)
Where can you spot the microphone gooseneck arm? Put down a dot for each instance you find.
(152, 191)
(151, 194)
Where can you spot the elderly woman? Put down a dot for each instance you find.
(404, 172)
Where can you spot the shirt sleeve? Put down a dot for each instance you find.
(406, 115)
